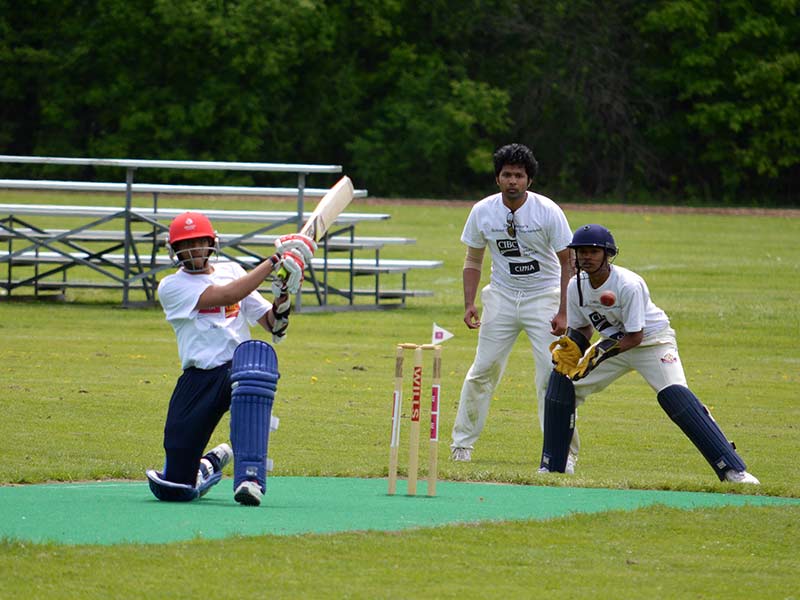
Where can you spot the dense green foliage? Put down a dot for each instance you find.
(692, 98)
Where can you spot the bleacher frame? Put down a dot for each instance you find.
(56, 251)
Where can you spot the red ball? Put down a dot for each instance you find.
(607, 298)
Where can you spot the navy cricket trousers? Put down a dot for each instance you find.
(198, 402)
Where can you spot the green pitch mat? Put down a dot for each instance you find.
(121, 512)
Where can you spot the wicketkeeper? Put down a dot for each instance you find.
(635, 335)
(211, 306)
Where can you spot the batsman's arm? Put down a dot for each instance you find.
(233, 292)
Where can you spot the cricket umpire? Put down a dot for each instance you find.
(527, 235)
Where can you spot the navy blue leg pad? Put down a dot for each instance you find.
(559, 422)
(254, 377)
(693, 418)
(169, 491)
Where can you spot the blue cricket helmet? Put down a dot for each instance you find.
(594, 235)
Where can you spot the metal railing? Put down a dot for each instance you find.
(129, 188)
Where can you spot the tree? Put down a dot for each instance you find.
(730, 76)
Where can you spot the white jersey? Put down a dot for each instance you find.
(208, 337)
(529, 262)
(632, 311)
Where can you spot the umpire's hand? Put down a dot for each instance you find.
(472, 317)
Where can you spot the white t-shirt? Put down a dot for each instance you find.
(208, 337)
(529, 262)
(632, 310)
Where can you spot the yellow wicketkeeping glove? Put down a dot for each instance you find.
(566, 355)
(597, 353)
(567, 351)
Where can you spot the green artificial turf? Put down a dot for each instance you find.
(126, 512)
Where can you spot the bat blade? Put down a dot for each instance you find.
(330, 207)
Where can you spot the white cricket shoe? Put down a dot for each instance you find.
(461, 454)
(206, 470)
(571, 460)
(248, 493)
(224, 454)
(740, 477)
(543, 470)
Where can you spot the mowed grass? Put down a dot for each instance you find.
(653, 553)
(84, 387)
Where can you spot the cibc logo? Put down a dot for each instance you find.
(508, 247)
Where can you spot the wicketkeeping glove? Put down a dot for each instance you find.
(294, 265)
(597, 353)
(567, 351)
(298, 242)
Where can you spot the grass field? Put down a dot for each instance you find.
(84, 387)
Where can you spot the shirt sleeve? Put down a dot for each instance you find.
(472, 235)
(255, 306)
(633, 297)
(560, 233)
(575, 317)
(179, 295)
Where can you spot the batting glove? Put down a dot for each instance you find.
(294, 265)
(597, 353)
(281, 308)
(298, 242)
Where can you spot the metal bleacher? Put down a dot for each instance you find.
(131, 257)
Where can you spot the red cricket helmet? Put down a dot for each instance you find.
(190, 225)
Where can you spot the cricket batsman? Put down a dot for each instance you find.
(211, 307)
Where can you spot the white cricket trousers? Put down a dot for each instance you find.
(505, 314)
(657, 362)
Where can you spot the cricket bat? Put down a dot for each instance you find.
(330, 207)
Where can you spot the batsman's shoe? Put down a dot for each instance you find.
(224, 455)
(572, 459)
(543, 470)
(210, 471)
(461, 454)
(740, 477)
(248, 493)
(212, 463)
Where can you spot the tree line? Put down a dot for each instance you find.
(684, 100)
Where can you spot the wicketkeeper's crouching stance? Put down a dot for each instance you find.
(635, 336)
(211, 307)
